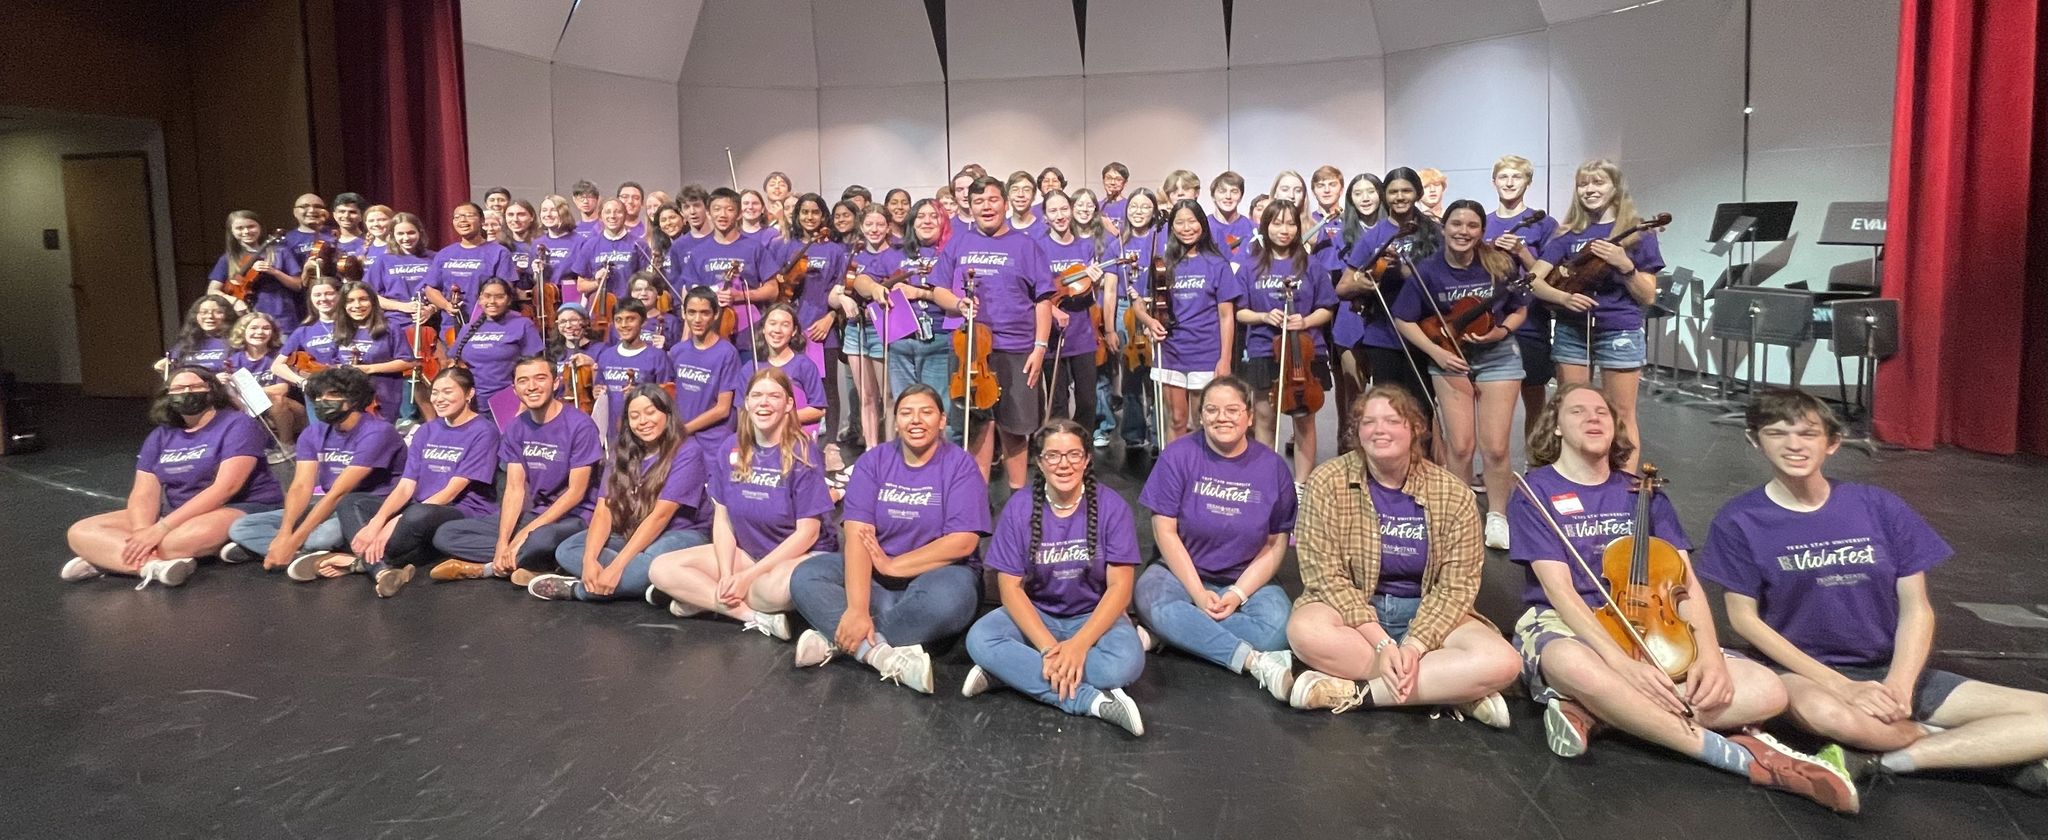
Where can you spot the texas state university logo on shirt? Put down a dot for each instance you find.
(1225, 498)
(897, 497)
(1831, 554)
(996, 259)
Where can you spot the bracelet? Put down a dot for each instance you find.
(1383, 644)
(1241, 598)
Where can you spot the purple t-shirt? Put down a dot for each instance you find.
(618, 369)
(1011, 275)
(316, 338)
(398, 277)
(701, 374)
(373, 443)
(268, 295)
(1537, 324)
(1592, 516)
(765, 503)
(367, 349)
(549, 452)
(1617, 311)
(1201, 282)
(912, 506)
(465, 268)
(826, 267)
(186, 462)
(588, 228)
(1225, 507)
(803, 375)
(1377, 330)
(1826, 580)
(1067, 576)
(208, 352)
(441, 453)
(1114, 210)
(708, 261)
(684, 484)
(1241, 230)
(1265, 291)
(300, 242)
(493, 347)
(259, 368)
(1080, 339)
(1448, 285)
(1404, 541)
(626, 256)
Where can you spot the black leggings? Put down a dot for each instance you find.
(1401, 367)
(1078, 374)
(412, 540)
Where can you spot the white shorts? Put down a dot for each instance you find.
(1190, 380)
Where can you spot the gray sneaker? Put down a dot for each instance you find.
(977, 682)
(552, 587)
(813, 649)
(76, 569)
(233, 554)
(1117, 707)
(909, 667)
(167, 572)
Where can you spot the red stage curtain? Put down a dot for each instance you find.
(404, 136)
(1965, 246)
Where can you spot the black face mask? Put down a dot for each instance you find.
(330, 411)
(190, 403)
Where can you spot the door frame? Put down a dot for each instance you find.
(155, 258)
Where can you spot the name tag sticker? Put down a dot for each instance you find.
(1567, 503)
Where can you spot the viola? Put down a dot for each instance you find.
(1296, 389)
(349, 267)
(305, 365)
(1101, 347)
(578, 385)
(974, 382)
(729, 316)
(1161, 301)
(242, 281)
(1074, 282)
(789, 280)
(1647, 579)
(1584, 270)
(1471, 318)
(426, 345)
(452, 331)
(603, 306)
(319, 259)
(1138, 348)
(1376, 268)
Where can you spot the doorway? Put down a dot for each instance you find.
(112, 230)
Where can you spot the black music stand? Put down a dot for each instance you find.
(1692, 290)
(1857, 223)
(1664, 306)
(1759, 318)
(1869, 331)
(1746, 223)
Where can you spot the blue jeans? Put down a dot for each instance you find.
(1259, 625)
(633, 581)
(932, 606)
(921, 362)
(1000, 648)
(255, 531)
(1396, 612)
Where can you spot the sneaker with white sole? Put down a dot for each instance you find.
(1567, 727)
(1774, 765)
(1274, 669)
(235, 555)
(553, 587)
(1117, 707)
(1491, 710)
(167, 572)
(909, 667)
(1317, 690)
(772, 625)
(1101, 440)
(1497, 531)
(76, 569)
(681, 610)
(813, 649)
(1149, 642)
(306, 566)
(977, 682)
(389, 580)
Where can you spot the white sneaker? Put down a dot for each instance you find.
(909, 667)
(977, 682)
(1497, 531)
(681, 610)
(76, 569)
(772, 625)
(1117, 707)
(167, 572)
(1149, 642)
(1274, 670)
(813, 649)
(1491, 710)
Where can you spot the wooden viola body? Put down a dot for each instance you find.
(1299, 389)
(971, 373)
(241, 283)
(603, 306)
(349, 267)
(1138, 345)
(319, 259)
(1466, 321)
(1647, 578)
(1579, 274)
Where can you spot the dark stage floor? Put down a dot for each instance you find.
(245, 706)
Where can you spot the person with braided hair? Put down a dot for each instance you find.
(1066, 557)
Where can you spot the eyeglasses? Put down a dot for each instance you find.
(309, 207)
(1054, 459)
(1231, 411)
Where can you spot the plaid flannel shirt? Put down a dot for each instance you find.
(1338, 545)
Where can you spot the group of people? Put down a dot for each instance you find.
(696, 475)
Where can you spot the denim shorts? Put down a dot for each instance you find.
(1929, 692)
(861, 340)
(1612, 349)
(1500, 361)
(1395, 613)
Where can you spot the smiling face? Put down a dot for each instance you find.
(258, 334)
(1290, 189)
(874, 230)
(988, 209)
(777, 328)
(697, 317)
(1139, 211)
(1595, 192)
(377, 222)
(767, 404)
(809, 216)
(1084, 208)
(324, 297)
(209, 315)
(348, 217)
(551, 215)
(927, 223)
(751, 209)
(1365, 197)
(670, 221)
(1383, 433)
(1401, 196)
(645, 419)
(919, 421)
(631, 197)
(310, 210)
(1059, 214)
(1463, 229)
(1187, 225)
(571, 324)
(519, 220)
(898, 206)
(247, 231)
(466, 221)
(534, 381)
(1285, 229)
(1113, 184)
(493, 299)
(359, 304)
(406, 236)
(1510, 183)
(448, 398)
(1227, 196)
(1327, 190)
(1063, 458)
(842, 219)
(725, 215)
(1224, 418)
(1021, 195)
(1586, 424)
(613, 214)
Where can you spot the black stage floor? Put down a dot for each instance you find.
(244, 706)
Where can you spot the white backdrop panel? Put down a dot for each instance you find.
(875, 42)
(1158, 123)
(752, 43)
(1277, 122)
(884, 137)
(1822, 73)
(1177, 35)
(510, 115)
(1011, 39)
(526, 27)
(630, 38)
(768, 130)
(610, 128)
(1415, 24)
(1297, 31)
(1460, 108)
(1018, 124)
